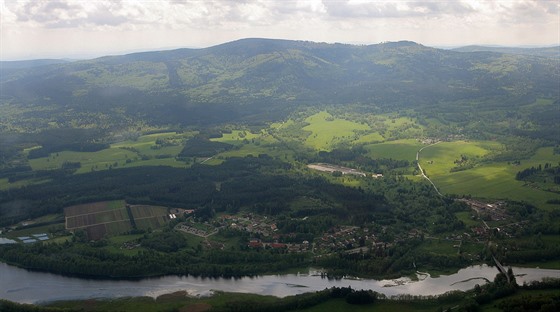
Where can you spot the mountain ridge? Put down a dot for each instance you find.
(259, 77)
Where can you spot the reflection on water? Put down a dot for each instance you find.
(29, 287)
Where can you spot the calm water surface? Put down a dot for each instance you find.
(25, 286)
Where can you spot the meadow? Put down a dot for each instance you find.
(495, 180)
(327, 131)
(399, 149)
(457, 167)
(143, 151)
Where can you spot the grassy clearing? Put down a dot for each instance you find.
(253, 149)
(465, 217)
(237, 137)
(493, 180)
(121, 239)
(99, 160)
(398, 149)
(440, 158)
(229, 242)
(5, 184)
(192, 240)
(327, 131)
(161, 155)
(370, 138)
(437, 246)
(119, 154)
(116, 242)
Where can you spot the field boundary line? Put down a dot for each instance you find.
(90, 213)
(91, 225)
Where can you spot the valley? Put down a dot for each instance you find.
(201, 162)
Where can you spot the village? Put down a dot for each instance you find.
(487, 220)
(492, 219)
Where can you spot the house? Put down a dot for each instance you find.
(255, 244)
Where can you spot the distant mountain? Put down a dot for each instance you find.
(265, 79)
(545, 52)
(30, 63)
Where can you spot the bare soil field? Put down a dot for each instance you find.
(332, 168)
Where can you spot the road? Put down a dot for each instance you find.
(422, 171)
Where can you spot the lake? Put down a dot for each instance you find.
(25, 286)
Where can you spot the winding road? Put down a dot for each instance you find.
(422, 171)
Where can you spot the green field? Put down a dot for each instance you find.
(327, 131)
(141, 152)
(254, 145)
(398, 149)
(242, 151)
(488, 180)
(370, 138)
(5, 184)
(237, 137)
(465, 217)
(438, 159)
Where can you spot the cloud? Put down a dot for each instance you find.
(394, 9)
(117, 25)
(175, 14)
(529, 12)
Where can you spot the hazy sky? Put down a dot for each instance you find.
(88, 28)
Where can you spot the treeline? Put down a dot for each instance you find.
(200, 146)
(395, 260)
(303, 301)
(66, 139)
(8, 306)
(65, 170)
(500, 288)
(548, 170)
(45, 151)
(89, 260)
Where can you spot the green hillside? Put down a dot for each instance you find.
(262, 79)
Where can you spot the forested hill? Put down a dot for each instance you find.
(545, 52)
(263, 79)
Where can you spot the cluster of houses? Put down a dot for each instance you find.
(344, 238)
(495, 211)
(251, 223)
(257, 243)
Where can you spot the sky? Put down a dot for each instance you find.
(31, 29)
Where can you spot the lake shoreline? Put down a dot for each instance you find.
(24, 286)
